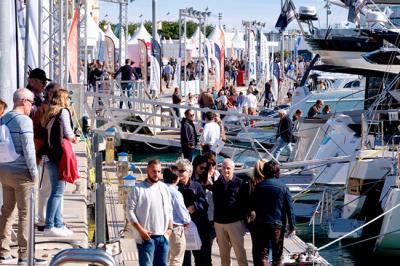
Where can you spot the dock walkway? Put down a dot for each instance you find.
(129, 256)
(75, 216)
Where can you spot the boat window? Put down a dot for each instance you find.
(348, 85)
(356, 84)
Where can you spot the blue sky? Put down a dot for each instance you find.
(233, 11)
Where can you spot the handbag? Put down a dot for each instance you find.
(68, 164)
(193, 241)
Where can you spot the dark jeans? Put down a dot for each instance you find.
(266, 236)
(126, 91)
(153, 251)
(188, 153)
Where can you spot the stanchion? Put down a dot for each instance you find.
(100, 213)
(31, 237)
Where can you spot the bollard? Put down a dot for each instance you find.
(110, 137)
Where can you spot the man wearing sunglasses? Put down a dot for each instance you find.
(37, 81)
(188, 135)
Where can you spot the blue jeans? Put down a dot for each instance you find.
(153, 251)
(279, 148)
(126, 91)
(53, 211)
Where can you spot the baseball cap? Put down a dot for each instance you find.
(39, 74)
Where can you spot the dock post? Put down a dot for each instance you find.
(100, 213)
(31, 236)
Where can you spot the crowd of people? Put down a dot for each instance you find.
(221, 205)
(41, 130)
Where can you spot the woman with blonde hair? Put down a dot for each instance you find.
(57, 121)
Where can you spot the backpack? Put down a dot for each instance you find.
(55, 137)
(7, 148)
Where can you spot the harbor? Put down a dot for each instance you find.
(152, 133)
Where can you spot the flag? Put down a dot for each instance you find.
(252, 56)
(143, 59)
(222, 58)
(216, 58)
(355, 7)
(296, 48)
(73, 49)
(288, 14)
(177, 74)
(155, 76)
(156, 53)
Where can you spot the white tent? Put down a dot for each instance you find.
(140, 34)
(133, 46)
(108, 32)
(215, 35)
(95, 38)
(197, 34)
(238, 41)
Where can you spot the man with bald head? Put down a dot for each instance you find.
(231, 198)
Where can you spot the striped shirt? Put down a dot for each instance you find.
(21, 129)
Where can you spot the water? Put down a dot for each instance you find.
(336, 255)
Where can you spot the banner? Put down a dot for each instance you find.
(263, 54)
(109, 56)
(177, 73)
(252, 57)
(222, 58)
(73, 49)
(296, 49)
(143, 60)
(33, 42)
(156, 52)
(216, 58)
(155, 76)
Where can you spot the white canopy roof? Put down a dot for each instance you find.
(111, 34)
(94, 33)
(140, 34)
(237, 41)
(196, 35)
(215, 35)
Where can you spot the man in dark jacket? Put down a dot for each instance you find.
(128, 73)
(271, 218)
(231, 198)
(188, 135)
(314, 110)
(285, 134)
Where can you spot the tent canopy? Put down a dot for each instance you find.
(108, 32)
(140, 34)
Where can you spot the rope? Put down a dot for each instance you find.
(358, 228)
(364, 240)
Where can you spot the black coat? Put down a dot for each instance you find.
(188, 134)
(231, 200)
(285, 129)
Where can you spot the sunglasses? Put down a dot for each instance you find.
(29, 100)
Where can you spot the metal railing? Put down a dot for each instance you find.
(83, 256)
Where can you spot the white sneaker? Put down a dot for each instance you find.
(65, 231)
(54, 232)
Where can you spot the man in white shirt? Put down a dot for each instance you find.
(251, 101)
(211, 133)
(149, 209)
